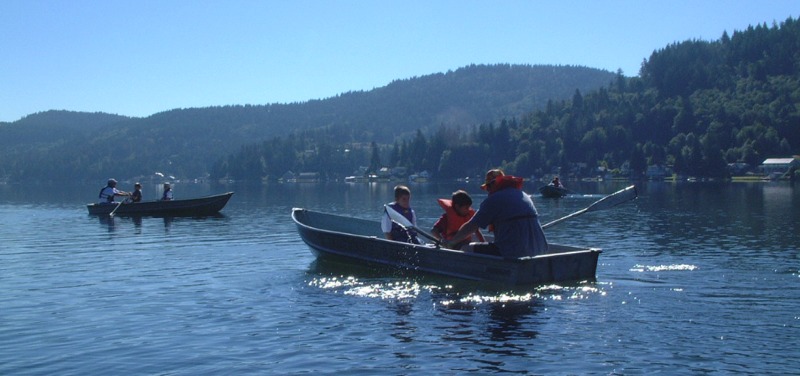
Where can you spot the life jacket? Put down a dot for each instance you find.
(505, 181)
(455, 221)
(398, 233)
(165, 196)
(108, 197)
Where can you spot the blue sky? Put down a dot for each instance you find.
(137, 58)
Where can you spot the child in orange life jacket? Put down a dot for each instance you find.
(457, 211)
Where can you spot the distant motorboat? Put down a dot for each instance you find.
(551, 191)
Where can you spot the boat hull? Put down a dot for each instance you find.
(361, 240)
(549, 191)
(196, 207)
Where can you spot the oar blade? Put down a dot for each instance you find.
(115, 210)
(619, 197)
(403, 221)
(397, 217)
(610, 201)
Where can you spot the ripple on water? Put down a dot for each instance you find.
(686, 282)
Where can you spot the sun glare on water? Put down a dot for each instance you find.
(449, 295)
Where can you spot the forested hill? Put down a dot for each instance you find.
(58, 145)
(696, 108)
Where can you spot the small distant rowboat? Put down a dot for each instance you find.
(193, 207)
(361, 241)
(551, 191)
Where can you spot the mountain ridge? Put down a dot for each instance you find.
(188, 140)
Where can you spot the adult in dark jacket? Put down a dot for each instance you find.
(513, 216)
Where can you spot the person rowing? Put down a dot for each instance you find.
(513, 215)
(110, 191)
(457, 211)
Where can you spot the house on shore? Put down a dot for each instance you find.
(775, 168)
(657, 172)
(303, 177)
(771, 165)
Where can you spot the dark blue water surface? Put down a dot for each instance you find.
(695, 278)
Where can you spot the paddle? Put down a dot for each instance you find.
(115, 209)
(403, 221)
(610, 201)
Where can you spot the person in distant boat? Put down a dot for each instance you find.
(556, 183)
(517, 231)
(402, 205)
(167, 196)
(110, 191)
(136, 196)
(457, 211)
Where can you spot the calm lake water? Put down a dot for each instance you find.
(695, 278)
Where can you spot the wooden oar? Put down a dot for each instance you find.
(610, 201)
(403, 221)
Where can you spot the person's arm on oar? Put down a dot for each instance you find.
(466, 229)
